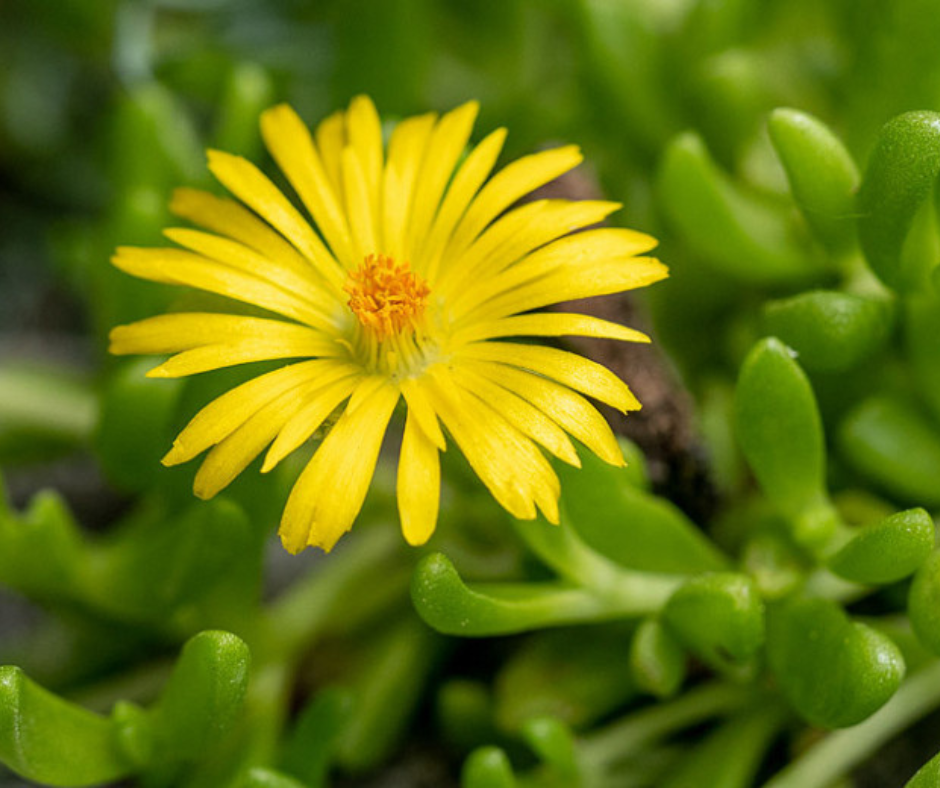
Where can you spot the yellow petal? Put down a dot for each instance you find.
(225, 414)
(510, 184)
(364, 132)
(420, 406)
(331, 139)
(569, 410)
(235, 453)
(304, 284)
(446, 144)
(470, 177)
(530, 421)
(572, 370)
(330, 491)
(419, 484)
(291, 144)
(520, 232)
(548, 324)
(572, 282)
(405, 153)
(317, 405)
(508, 463)
(359, 207)
(232, 220)
(178, 267)
(253, 188)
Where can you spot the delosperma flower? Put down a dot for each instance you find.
(416, 270)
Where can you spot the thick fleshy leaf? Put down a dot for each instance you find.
(888, 550)
(923, 605)
(487, 767)
(822, 174)
(899, 180)
(311, 745)
(835, 672)
(657, 660)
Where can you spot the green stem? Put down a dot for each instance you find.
(640, 730)
(47, 400)
(841, 751)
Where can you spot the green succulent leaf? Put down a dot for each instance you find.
(719, 617)
(630, 526)
(888, 550)
(822, 174)
(311, 746)
(778, 426)
(260, 777)
(487, 767)
(830, 331)
(203, 696)
(894, 446)
(52, 741)
(928, 776)
(657, 660)
(923, 605)
(835, 672)
(575, 679)
(899, 180)
(739, 235)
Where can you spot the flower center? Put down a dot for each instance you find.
(387, 297)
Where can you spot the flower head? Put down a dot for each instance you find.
(408, 283)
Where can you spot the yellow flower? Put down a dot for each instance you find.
(415, 271)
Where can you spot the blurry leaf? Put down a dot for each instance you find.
(900, 177)
(775, 564)
(310, 747)
(135, 429)
(249, 90)
(830, 331)
(630, 526)
(737, 234)
(259, 777)
(886, 551)
(834, 672)
(657, 661)
(894, 446)
(52, 741)
(552, 741)
(922, 338)
(779, 429)
(487, 767)
(719, 617)
(822, 174)
(924, 603)
(465, 714)
(573, 678)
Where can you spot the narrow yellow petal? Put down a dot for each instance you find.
(246, 350)
(178, 267)
(530, 421)
(519, 233)
(364, 131)
(316, 406)
(233, 454)
(359, 207)
(569, 410)
(572, 370)
(573, 282)
(474, 171)
(514, 471)
(331, 139)
(419, 484)
(230, 219)
(291, 144)
(304, 284)
(446, 144)
(420, 406)
(330, 491)
(253, 188)
(186, 330)
(510, 184)
(548, 324)
(405, 153)
(225, 414)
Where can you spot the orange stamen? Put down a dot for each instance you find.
(387, 297)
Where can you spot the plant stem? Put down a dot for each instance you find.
(841, 751)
